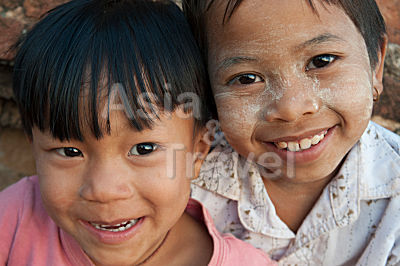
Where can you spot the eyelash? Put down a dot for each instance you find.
(64, 152)
(327, 58)
(237, 78)
(71, 152)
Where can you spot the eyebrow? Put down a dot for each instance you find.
(323, 38)
(228, 62)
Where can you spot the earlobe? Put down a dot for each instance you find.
(29, 138)
(378, 72)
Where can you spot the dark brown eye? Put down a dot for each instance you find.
(321, 61)
(143, 149)
(245, 79)
(69, 152)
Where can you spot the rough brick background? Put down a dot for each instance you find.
(16, 16)
(387, 109)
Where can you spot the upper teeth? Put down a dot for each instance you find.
(116, 227)
(302, 144)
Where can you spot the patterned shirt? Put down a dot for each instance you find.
(356, 220)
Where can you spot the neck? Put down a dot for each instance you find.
(188, 243)
(148, 260)
(293, 201)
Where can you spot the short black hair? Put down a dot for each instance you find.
(365, 15)
(144, 46)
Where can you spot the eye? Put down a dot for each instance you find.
(69, 152)
(143, 149)
(321, 61)
(245, 79)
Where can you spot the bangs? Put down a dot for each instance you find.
(82, 51)
(365, 15)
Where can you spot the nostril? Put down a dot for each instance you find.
(313, 108)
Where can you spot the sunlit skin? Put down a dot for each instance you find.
(281, 72)
(122, 176)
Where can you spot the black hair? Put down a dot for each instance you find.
(144, 46)
(365, 15)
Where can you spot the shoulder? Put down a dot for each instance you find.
(384, 233)
(16, 207)
(392, 139)
(29, 236)
(238, 252)
(14, 197)
(227, 250)
(379, 155)
(378, 138)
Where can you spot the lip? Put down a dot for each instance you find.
(306, 156)
(112, 238)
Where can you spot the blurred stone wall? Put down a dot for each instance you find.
(16, 16)
(387, 111)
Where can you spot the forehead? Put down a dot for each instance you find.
(276, 23)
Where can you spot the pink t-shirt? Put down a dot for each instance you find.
(28, 236)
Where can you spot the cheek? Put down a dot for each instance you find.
(238, 115)
(58, 197)
(350, 96)
(59, 188)
(166, 185)
(169, 198)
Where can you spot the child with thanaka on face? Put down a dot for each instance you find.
(113, 97)
(305, 175)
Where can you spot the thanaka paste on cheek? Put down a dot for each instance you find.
(352, 93)
(240, 111)
(278, 41)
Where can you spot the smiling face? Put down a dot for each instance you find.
(113, 195)
(292, 82)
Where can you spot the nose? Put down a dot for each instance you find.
(298, 99)
(107, 181)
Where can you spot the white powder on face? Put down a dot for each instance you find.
(226, 94)
(282, 86)
(274, 93)
(352, 94)
(340, 95)
(286, 81)
(240, 106)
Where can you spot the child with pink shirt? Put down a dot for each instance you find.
(112, 96)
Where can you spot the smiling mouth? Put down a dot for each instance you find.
(302, 144)
(115, 227)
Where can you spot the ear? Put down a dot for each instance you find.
(378, 72)
(29, 138)
(201, 149)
